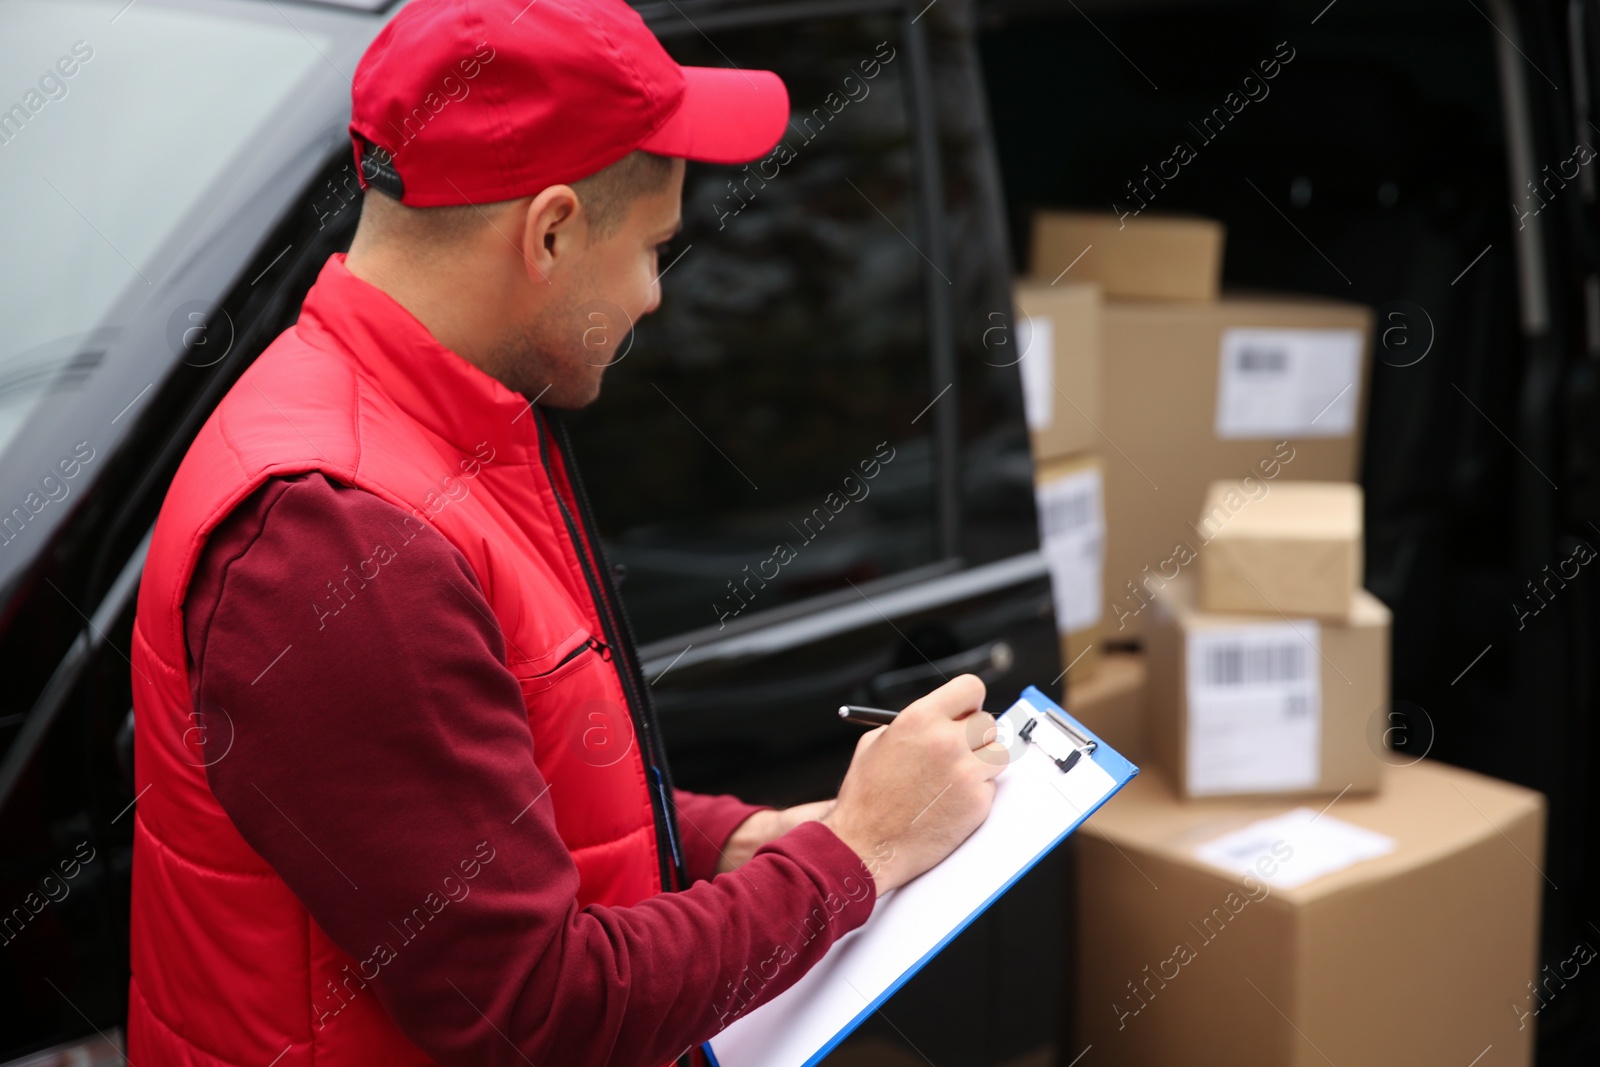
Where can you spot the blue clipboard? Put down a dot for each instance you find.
(1061, 773)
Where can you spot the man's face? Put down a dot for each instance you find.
(600, 287)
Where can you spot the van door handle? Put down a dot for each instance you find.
(988, 662)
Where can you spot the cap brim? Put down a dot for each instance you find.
(727, 116)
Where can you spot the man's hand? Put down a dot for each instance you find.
(918, 787)
(765, 826)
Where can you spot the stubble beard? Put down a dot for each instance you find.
(532, 359)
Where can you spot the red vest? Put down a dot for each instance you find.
(228, 967)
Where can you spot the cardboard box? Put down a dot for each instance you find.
(1143, 257)
(1250, 390)
(1423, 955)
(1243, 705)
(1058, 353)
(1111, 702)
(1070, 496)
(1295, 551)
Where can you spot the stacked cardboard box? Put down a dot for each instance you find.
(1147, 257)
(1337, 902)
(1058, 341)
(1058, 351)
(1394, 929)
(1072, 534)
(1249, 704)
(1192, 386)
(1268, 700)
(1111, 702)
(1300, 540)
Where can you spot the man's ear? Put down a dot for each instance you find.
(553, 227)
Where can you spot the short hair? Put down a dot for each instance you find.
(606, 195)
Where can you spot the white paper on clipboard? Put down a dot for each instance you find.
(1036, 805)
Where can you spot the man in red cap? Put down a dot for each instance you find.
(402, 798)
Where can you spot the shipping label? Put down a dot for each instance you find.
(1036, 340)
(1317, 844)
(1288, 383)
(1254, 708)
(1072, 534)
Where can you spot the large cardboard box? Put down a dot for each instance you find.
(1249, 390)
(1422, 954)
(1111, 702)
(1143, 257)
(1259, 704)
(1296, 551)
(1058, 352)
(1070, 496)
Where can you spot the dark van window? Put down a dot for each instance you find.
(760, 441)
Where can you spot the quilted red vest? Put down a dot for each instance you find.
(228, 967)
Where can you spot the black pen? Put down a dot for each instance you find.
(864, 716)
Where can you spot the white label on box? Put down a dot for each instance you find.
(1288, 383)
(1072, 537)
(1036, 341)
(1295, 848)
(1254, 708)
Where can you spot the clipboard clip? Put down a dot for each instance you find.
(1062, 742)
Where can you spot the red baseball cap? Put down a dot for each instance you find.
(474, 101)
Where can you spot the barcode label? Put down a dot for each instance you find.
(1072, 527)
(1263, 360)
(1254, 696)
(1259, 665)
(1064, 515)
(1288, 383)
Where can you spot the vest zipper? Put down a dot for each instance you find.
(615, 625)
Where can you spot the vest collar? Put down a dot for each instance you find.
(426, 380)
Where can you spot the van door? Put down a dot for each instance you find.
(810, 465)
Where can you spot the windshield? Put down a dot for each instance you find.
(115, 119)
